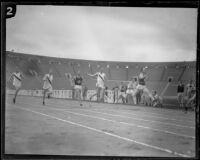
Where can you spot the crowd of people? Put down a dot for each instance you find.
(131, 92)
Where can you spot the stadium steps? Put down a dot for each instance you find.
(132, 71)
(163, 73)
(155, 74)
(180, 77)
(118, 73)
(172, 72)
(64, 68)
(190, 73)
(55, 68)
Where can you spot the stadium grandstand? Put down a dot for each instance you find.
(158, 72)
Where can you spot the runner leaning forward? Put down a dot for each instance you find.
(100, 85)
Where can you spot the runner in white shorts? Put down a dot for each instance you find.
(17, 82)
(100, 85)
(47, 87)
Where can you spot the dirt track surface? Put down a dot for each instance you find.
(63, 127)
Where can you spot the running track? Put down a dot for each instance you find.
(63, 127)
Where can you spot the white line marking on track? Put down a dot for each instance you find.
(178, 125)
(107, 133)
(170, 111)
(125, 123)
(130, 124)
(171, 119)
(140, 119)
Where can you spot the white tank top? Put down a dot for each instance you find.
(100, 78)
(16, 77)
(48, 79)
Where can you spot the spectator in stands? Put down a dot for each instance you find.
(115, 93)
(17, 82)
(100, 85)
(122, 92)
(47, 87)
(180, 94)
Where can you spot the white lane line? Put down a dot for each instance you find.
(107, 133)
(140, 119)
(150, 116)
(171, 119)
(170, 111)
(114, 121)
(130, 124)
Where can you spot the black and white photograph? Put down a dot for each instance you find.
(101, 81)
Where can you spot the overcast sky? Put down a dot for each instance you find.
(104, 33)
